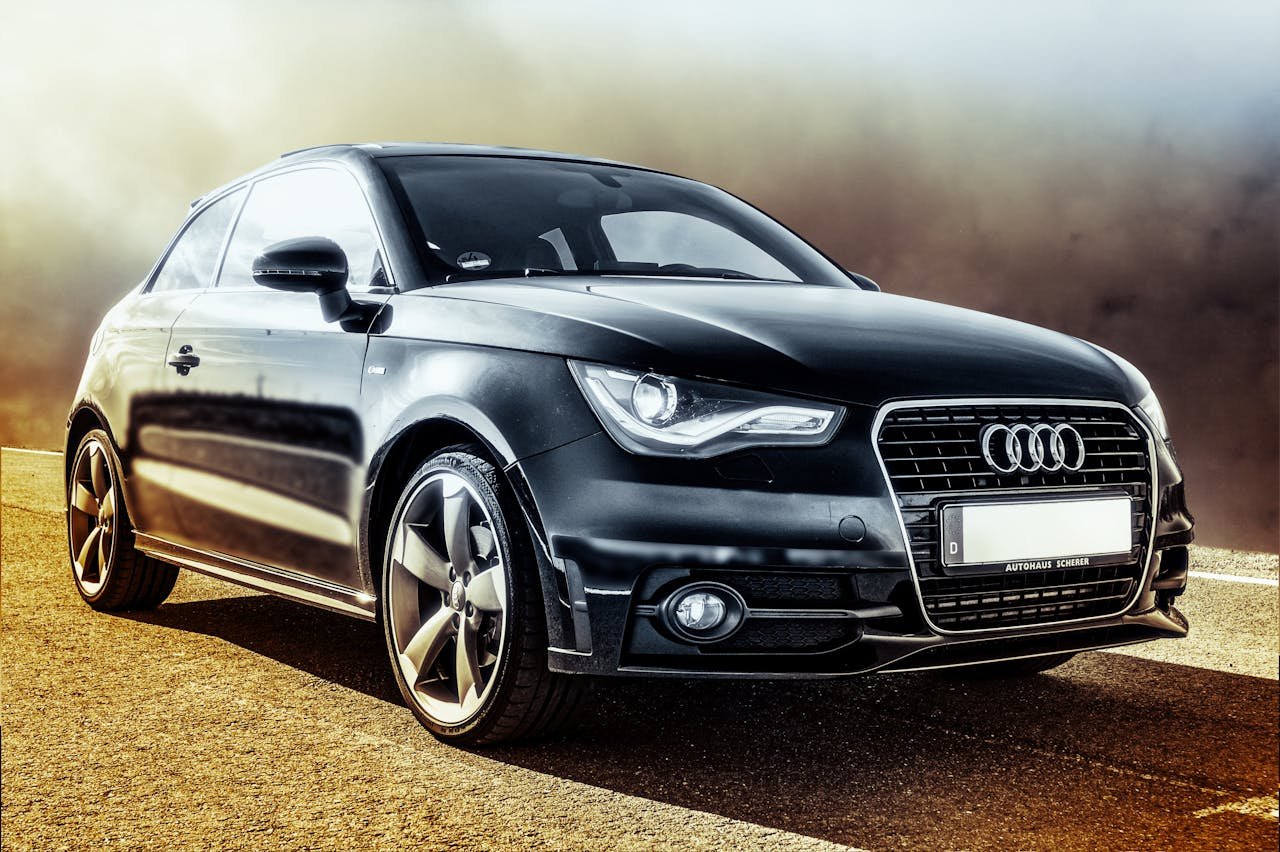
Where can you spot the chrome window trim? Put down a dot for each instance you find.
(1153, 498)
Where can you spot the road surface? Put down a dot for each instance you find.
(228, 719)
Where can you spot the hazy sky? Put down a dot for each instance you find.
(1111, 170)
(237, 82)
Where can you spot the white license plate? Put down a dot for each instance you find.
(1036, 535)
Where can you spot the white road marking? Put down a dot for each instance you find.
(1235, 578)
(1265, 807)
(32, 452)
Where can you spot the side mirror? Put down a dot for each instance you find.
(310, 265)
(863, 281)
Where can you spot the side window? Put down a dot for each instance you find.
(664, 238)
(306, 203)
(190, 264)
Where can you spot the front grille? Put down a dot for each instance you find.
(1004, 600)
(932, 455)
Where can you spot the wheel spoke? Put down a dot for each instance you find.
(84, 501)
(457, 527)
(89, 549)
(425, 646)
(488, 590)
(421, 560)
(104, 550)
(482, 538)
(98, 471)
(468, 665)
(109, 505)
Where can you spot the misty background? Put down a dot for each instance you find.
(1107, 170)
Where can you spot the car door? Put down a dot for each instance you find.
(272, 442)
(136, 337)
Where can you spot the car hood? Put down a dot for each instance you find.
(849, 345)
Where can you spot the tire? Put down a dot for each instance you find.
(110, 573)
(469, 647)
(1008, 668)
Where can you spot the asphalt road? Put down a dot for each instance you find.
(227, 719)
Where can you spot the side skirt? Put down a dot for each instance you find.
(285, 584)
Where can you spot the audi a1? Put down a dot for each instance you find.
(547, 418)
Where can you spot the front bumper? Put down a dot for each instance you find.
(824, 573)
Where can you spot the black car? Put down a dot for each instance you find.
(548, 417)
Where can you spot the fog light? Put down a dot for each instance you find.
(703, 612)
(700, 611)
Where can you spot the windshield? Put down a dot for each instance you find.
(486, 217)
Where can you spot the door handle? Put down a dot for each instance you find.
(183, 360)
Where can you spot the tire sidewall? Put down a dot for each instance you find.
(510, 543)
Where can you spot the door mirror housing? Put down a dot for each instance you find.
(302, 265)
(312, 265)
(863, 281)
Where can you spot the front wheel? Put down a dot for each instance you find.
(462, 608)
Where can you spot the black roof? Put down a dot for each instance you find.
(405, 149)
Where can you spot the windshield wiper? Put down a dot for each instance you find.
(539, 271)
(527, 272)
(727, 276)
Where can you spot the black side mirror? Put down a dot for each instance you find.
(311, 265)
(863, 281)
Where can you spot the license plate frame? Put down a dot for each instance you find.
(1039, 534)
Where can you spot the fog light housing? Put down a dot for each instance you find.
(704, 612)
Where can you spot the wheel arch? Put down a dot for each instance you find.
(82, 420)
(395, 462)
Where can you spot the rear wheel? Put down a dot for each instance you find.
(110, 572)
(462, 608)
(1008, 668)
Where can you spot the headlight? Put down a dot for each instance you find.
(1151, 407)
(657, 415)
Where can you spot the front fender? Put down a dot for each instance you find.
(437, 392)
(532, 395)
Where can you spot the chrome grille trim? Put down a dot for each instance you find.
(1144, 578)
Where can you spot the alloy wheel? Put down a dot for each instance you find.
(91, 517)
(447, 598)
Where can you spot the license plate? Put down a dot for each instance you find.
(1036, 535)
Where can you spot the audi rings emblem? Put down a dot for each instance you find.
(1032, 447)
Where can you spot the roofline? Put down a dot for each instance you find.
(317, 148)
(368, 151)
(378, 150)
